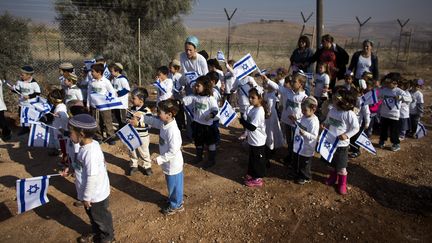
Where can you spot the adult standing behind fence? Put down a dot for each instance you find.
(334, 56)
(364, 60)
(300, 58)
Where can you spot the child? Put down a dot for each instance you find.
(366, 76)
(170, 158)
(6, 131)
(72, 91)
(256, 138)
(242, 88)
(164, 84)
(342, 122)
(363, 115)
(139, 96)
(65, 69)
(321, 86)
(121, 84)
(404, 109)
(91, 178)
(349, 79)
(27, 88)
(416, 107)
(214, 79)
(392, 96)
(60, 122)
(374, 109)
(175, 76)
(83, 83)
(214, 66)
(229, 82)
(101, 85)
(308, 130)
(205, 110)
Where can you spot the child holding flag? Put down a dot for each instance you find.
(121, 84)
(342, 122)
(163, 84)
(416, 108)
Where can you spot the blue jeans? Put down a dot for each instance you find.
(175, 189)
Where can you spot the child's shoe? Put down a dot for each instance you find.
(257, 182)
(148, 172)
(302, 181)
(342, 184)
(132, 170)
(395, 147)
(381, 145)
(243, 136)
(331, 180)
(171, 211)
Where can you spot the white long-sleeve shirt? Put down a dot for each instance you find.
(405, 105)
(164, 89)
(101, 86)
(310, 126)
(243, 86)
(170, 141)
(342, 122)
(392, 98)
(201, 107)
(363, 113)
(121, 84)
(73, 93)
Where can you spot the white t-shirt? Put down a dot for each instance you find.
(417, 98)
(26, 88)
(229, 82)
(342, 122)
(73, 93)
(310, 125)
(256, 116)
(405, 105)
(165, 91)
(90, 162)
(362, 112)
(2, 104)
(101, 86)
(61, 120)
(321, 80)
(122, 83)
(177, 85)
(199, 64)
(243, 86)
(221, 79)
(201, 107)
(170, 141)
(363, 64)
(392, 98)
(291, 105)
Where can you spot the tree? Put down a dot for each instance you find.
(110, 28)
(15, 45)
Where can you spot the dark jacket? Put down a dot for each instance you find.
(342, 59)
(373, 67)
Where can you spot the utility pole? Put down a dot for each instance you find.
(229, 17)
(319, 22)
(139, 52)
(407, 36)
(360, 27)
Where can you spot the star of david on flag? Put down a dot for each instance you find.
(298, 141)
(88, 63)
(220, 56)
(29, 114)
(31, 192)
(244, 66)
(421, 131)
(327, 145)
(364, 142)
(105, 102)
(40, 104)
(39, 135)
(130, 137)
(226, 114)
(191, 77)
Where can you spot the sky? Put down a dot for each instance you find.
(209, 13)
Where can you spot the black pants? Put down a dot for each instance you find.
(257, 161)
(180, 118)
(4, 125)
(302, 166)
(413, 120)
(392, 126)
(101, 220)
(289, 135)
(120, 116)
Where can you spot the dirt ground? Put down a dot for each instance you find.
(389, 199)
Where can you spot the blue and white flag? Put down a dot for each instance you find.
(105, 102)
(41, 104)
(107, 73)
(220, 56)
(298, 141)
(191, 77)
(32, 192)
(370, 98)
(391, 102)
(39, 136)
(226, 114)
(158, 85)
(327, 145)
(89, 63)
(130, 137)
(364, 142)
(29, 114)
(245, 66)
(421, 131)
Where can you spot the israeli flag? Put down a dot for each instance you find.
(421, 131)
(370, 98)
(89, 63)
(220, 56)
(129, 137)
(226, 114)
(107, 73)
(39, 136)
(327, 145)
(41, 104)
(364, 142)
(298, 141)
(32, 192)
(391, 102)
(105, 102)
(158, 85)
(29, 114)
(244, 66)
(191, 77)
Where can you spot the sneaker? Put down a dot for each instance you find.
(243, 136)
(171, 211)
(132, 170)
(401, 138)
(78, 204)
(148, 172)
(247, 178)
(354, 155)
(395, 147)
(257, 182)
(111, 142)
(86, 238)
(381, 145)
(302, 181)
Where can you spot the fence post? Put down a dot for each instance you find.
(46, 43)
(258, 47)
(139, 52)
(59, 53)
(211, 48)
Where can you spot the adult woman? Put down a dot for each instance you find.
(300, 56)
(364, 60)
(334, 56)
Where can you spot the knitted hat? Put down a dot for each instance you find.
(84, 121)
(27, 69)
(72, 77)
(66, 65)
(420, 82)
(175, 62)
(119, 65)
(99, 57)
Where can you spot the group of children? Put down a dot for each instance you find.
(273, 114)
